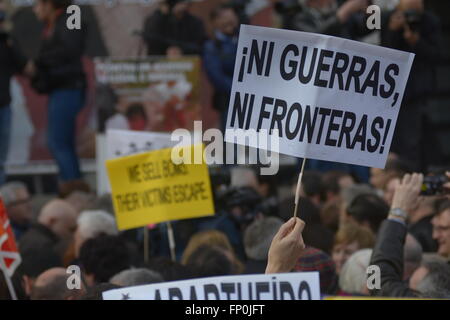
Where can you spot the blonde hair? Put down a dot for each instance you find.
(212, 238)
(350, 232)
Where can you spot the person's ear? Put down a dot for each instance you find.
(90, 281)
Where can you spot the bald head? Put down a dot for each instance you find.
(47, 277)
(411, 5)
(52, 285)
(60, 217)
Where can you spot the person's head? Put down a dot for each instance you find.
(432, 279)
(334, 182)
(34, 262)
(168, 269)
(52, 285)
(353, 276)
(368, 210)
(45, 10)
(60, 217)
(348, 194)
(416, 5)
(258, 237)
(350, 238)
(441, 228)
(267, 184)
(318, 236)
(92, 223)
(136, 277)
(412, 253)
(178, 7)
(210, 261)
(225, 20)
(104, 203)
(394, 166)
(307, 210)
(214, 238)
(103, 257)
(17, 201)
(80, 200)
(137, 118)
(313, 259)
(329, 215)
(313, 187)
(244, 177)
(250, 177)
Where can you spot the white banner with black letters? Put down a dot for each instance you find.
(282, 286)
(330, 98)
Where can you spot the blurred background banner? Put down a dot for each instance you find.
(113, 29)
(148, 94)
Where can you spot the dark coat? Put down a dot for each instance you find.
(219, 56)
(422, 79)
(162, 31)
(59, 64)
(388, 256)
(39, 236)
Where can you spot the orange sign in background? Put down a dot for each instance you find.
(9, 255)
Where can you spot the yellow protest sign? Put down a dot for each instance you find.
(149, 188)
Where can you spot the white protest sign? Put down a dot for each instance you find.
(119, 143)
(330, 98)
(283, 286)
(122, 143)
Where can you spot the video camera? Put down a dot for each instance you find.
(434, 185)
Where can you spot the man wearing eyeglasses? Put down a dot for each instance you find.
(441, 229)
(17, 201)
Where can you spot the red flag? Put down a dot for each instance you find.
(9, 255)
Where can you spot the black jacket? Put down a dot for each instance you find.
(39, 236)
(388, 256)
(422, 79)
(59, 60)
(11, 62)
(162, 31)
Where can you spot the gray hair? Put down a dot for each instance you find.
(258, 237)
(412, 250)
(436, 284)
(8, 192)
(136, 277)
(353, 277)
(92, 223)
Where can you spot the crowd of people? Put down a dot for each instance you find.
(342, 228)
(349, 217)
